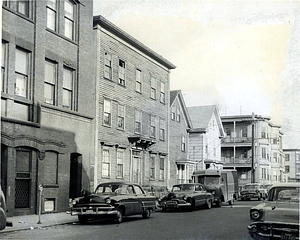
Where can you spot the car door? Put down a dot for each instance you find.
(131, 202)
(142, 199)
(201, 195)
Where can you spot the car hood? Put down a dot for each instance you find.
(212, 187)
(279, 211)
(94, 198)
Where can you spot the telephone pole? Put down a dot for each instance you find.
(252, 160)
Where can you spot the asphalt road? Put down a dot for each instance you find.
(208, 224)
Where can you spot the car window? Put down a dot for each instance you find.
(138, 190)
(130, 189)
(176, 188)
(188, 187)
(286, 194)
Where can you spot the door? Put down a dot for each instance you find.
(136, 166)
(75, 175)
(3, 179)
(25, 181)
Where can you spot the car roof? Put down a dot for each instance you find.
(119, 182)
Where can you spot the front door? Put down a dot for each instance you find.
(136, 167)
(25, 181)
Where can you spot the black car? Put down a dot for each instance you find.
(3, 222)
(114, 200)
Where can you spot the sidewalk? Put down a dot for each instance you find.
(31, 221)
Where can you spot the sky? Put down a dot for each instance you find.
(243, 56)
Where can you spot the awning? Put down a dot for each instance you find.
(139, 141)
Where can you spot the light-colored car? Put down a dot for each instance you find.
(278, 216)
(253, 190)
(188, 195)
(113, 200)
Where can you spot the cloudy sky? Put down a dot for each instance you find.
(243, 56)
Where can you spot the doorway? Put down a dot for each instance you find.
(75, 175)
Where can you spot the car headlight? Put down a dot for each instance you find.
(185, 197)
(108, 200)
(255, 214)
(213, 192)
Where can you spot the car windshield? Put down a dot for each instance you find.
(283, 194)
(185, 187)
(211, 180)
(108, 189)
(248, 187)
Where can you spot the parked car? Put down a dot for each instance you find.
(253, 190)
(188, 195)
(3, 220)
(113, 200)
(278, 216)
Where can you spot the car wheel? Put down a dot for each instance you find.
(119, 216)
(146, 213)
(163, 209)
(259, 197)
(208, 204)
(231, 202)
(192, 202)
(218, 203)
(82, 219)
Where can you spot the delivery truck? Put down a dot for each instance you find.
(223, 184)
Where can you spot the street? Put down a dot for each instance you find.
(216, 223)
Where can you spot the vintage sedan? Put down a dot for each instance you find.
(187, 196)
(3, 220)
(278, 216)
(253, 190)
(113, 200)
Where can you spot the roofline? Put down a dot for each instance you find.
(246, 117)
(103, 22)
(291, 149)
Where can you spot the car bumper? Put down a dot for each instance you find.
(251, 195)
(100, 211)
(274, 231)
(175, 204)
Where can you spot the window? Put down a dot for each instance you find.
(263, 153)
(3, 66)
(298, 157)
(264, 173)
(152, 127)
(51, 164)
(68, 82)
(121, 72)
(228, 132)
(50, 82)
(162, 129)
(287, 169)
(162, 92)
(138, 118)
(107, 112)
(120, 157)
(23, 7)
(107, 66)
(22, 72)
(263, 132)
(51, 14)
(152, 166)
(178, 114)
(121, 115)
(153, 88)
(244, 132)
(69, 19)
(275, 157)
(105, 163)
(162, 169)
(138, 83)
(173, 113)
(287, 157)
(183, 144)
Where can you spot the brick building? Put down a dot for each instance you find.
(181, 166)
(132, 109)
(47, 103)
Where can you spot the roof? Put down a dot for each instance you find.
(103, 22)
(201, 115)
(177, 94)
(286, 184)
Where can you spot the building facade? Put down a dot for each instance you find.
(292, 164)
(47, 102)
(132, 109)
(181, 166)
(237, 147)
(205, 137)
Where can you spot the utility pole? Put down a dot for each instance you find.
(252, 160)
